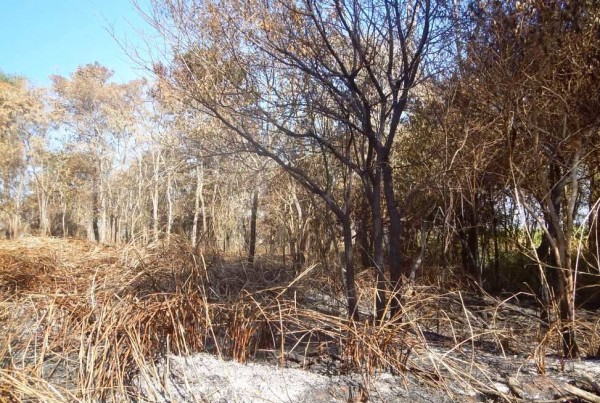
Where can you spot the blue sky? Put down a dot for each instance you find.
(39, 38)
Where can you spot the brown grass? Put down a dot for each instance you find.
(81, 322)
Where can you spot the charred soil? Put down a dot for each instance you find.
(85, 322)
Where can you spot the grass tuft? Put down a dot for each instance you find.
(82, 322)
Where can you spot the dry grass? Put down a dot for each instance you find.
(80, 322)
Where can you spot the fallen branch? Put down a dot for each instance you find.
(574, 390)
(515, 387)
(590, 381)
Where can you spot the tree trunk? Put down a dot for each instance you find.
(15, 226)
(594, 231)
(418, 261)
(349, 270)
(567, 276)
(298, 233)
(155, 197)
(169, 205)
(495, 223)
(561, 247)
(103, 224)
(468, 234)
(203, 208)
(43, 207)
(397, 261)
(95, 209)
(197, 203)
(213, 217)
(377, 223)
(253, 215)
(63, 220)
(547, 274)
(364, 245)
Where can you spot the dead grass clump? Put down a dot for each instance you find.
(85, 322)
(369, 348)
(246, 329)
(94, 320)
(19, 271)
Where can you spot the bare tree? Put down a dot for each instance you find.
(294, 67)
(530, 73)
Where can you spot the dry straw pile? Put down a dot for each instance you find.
(82, 322)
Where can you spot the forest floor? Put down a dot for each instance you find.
(83, 322)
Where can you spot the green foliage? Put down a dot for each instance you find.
(516, 272)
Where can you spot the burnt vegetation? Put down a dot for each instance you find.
(348, 187)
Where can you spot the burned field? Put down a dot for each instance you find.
(82, 322)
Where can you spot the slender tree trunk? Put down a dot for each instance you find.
(43, 207)
(365, 248)
(213, 220)
(117, 225)
(16, 217)
(64, 220)
(112, 233)
(495, 223)
(472, 247)
(203, 208)
(594, 230)
(547, 273)
(457, 30)
(103, 222)
(198, 204)
(377, 223)
(468, 234)
(418, 261)
(95, 209)
(567, 277)
(564, 283)
(564, 295)
(169, 205)
(253, 216)
(298, 232)
(155, 196)
(397, 261)
(349, 269)
(567, 312)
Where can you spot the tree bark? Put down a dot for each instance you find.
(43, 211)
(349, 272)
(155, 197)
(169, 205)
(560, 246)
(253, 216)
(63, 219)
(374, 196)
(397, 261)
(594, 231)
(364, 244)
(95, 209)
(197, 203)
(469, 238)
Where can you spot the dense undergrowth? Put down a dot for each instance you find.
(82, 322)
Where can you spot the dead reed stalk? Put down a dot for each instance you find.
(81, 322)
